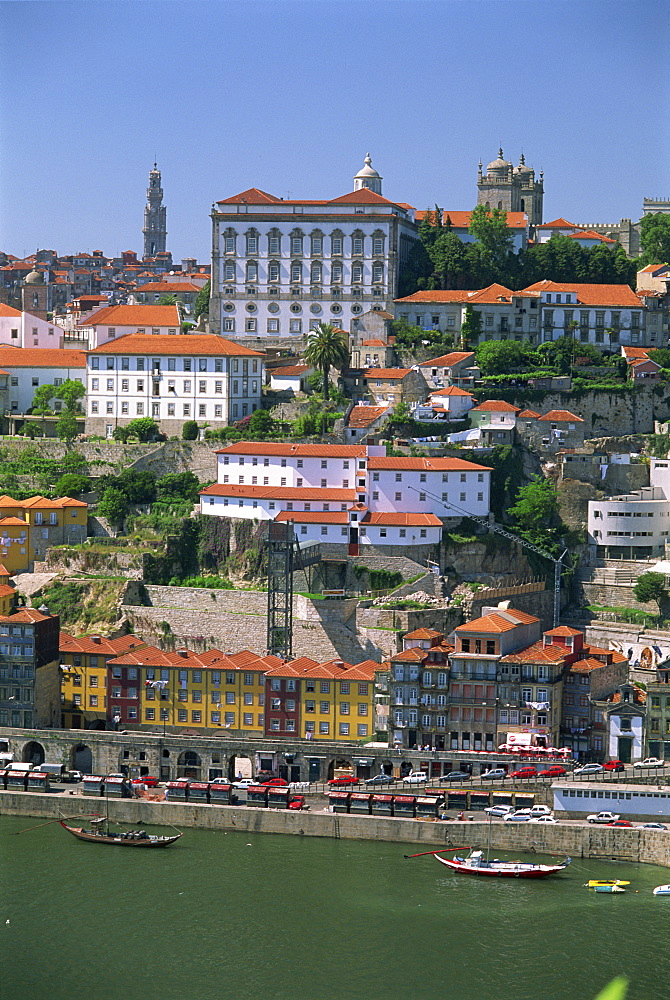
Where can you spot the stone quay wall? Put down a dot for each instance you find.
(567, 839)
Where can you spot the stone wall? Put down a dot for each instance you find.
(605, 413)
(566, 839)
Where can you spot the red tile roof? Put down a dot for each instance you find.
(8, 310)
(556, 416)
(169, 286)
(373, 343)
(99, 644)
(496, 622)
(38, 357)
(564, 630)
(422, 633)
(402, 519)
(636, 352)
(362, 197)
(426, 464)
(451, 390)
(447, 360)
(391, 373)
(461, 220)
(495, 406)
(252, 196)
(363, 416)
(591, 295)
(280, 492)
(25, 616)
(298, 450)
(290, 371)
(537, 653)
(314, 516)
(558, 224)
(138, 315)
(437, 295)
(528, 414)
(589, 234)
(185, 343)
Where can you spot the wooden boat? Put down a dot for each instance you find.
(595, 882)
(608, 888)
(475, 864)
(130, 838)
(662, 890)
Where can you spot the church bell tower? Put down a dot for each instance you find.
(155, 233)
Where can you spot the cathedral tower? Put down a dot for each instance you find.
(367, 177)
(512, 188)
(155, 233)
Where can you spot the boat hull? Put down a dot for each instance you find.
(493, 869)
(662, 890)
(92, 837)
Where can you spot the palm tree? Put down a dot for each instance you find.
(326, 347)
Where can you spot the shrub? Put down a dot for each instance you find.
(72, 485)
(190, 430)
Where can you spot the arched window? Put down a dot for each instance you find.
(36, 300)
(296, 271)
(252, 270)
(315, 273)
(523, 205)
(273, 270)
(500, 205)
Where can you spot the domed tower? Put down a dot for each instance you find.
(367, 177)
(531, 192)
(35, 294)
(155, 233)
(496, 188)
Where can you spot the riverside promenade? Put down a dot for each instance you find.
(569, 837)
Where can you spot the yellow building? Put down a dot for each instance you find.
(29, 527)
(7, 593)
(83, 663)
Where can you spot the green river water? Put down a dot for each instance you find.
(234, 915)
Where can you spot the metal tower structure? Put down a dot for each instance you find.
(282, 552)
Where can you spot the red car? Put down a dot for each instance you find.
(620, 822)
(524, 772)
(276, 782)
(347, 779)
(614, 765)
(148, 779)
(298, 802)
(555, 771)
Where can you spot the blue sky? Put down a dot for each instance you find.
(290, 96)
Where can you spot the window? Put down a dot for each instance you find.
(324, 728)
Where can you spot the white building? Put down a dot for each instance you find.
(359, 527)
(281, 267)
(505, 313)
(172, 379)
(455, 403)
(264, 503)
(22, 329)
(32, 367)
(633, 526)
(112, 322)
(606, 315)
(446, 487)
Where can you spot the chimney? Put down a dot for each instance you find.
(338, 663)
(96, 639)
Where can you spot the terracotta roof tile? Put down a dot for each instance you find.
(280, 492)
(402, 518)
(558, 416)
(137, 315)
(289, 372)
(451, 390)
(391, 373)
(426, 464)
(422, 633)
(495, 406)
(299, 450)
(564, 630)
(497, 622)
(314, 516)
(593, 295)
(363, 416)
(447, 360)
(158, 344)
(38, 357)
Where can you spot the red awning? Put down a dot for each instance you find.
(405, 799)
(382, 798)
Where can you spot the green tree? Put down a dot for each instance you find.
(535, 509)
(490, 229)
(66, 426)
(471, 330)
(448, 257)
(72, 485)
(71, 392)
(499, 357)
(42, 400)
(190, 430)
(167, 300)
(202, 301)
(654, 239)
(661, 356)
(143, 428)
(30, 429)
(261, 422)
(326, 348)
(651, 587)
(178, 486)
(406, 334)
(114, 506)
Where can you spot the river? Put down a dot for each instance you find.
(251, 916)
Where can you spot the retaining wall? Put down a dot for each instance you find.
(575, 840)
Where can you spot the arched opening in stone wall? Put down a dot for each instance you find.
(82, 758)
(33, 753)
(188, 765)
(97, 724)
(340, 767)
(239, 766)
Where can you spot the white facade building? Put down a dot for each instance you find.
(172, 379)
(32, 367)
(22, 329)
(596, 309)
(265, 503)
(112, 322)
(279, 268)
(446, 487)
(633, 526)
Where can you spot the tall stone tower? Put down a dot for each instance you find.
(367, 177)
(155, 233)
(513, 189)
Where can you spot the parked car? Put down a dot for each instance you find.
(516, 818)
(543, 819)
(72, 777)
(298, 802)
(603, 817)
(588, 769)
(614, 765)
(649, 762)
(499, 810)
(457, 776)
(380, 779)
(277, 782)
(540, 811)
(244, 782)
(654, 826)
(555, 771)
(524, 772)
(150, 780)
(620, 822)
(344, 779)
(415, 778)
(495, 774)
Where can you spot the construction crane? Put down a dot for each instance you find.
(492, 526)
